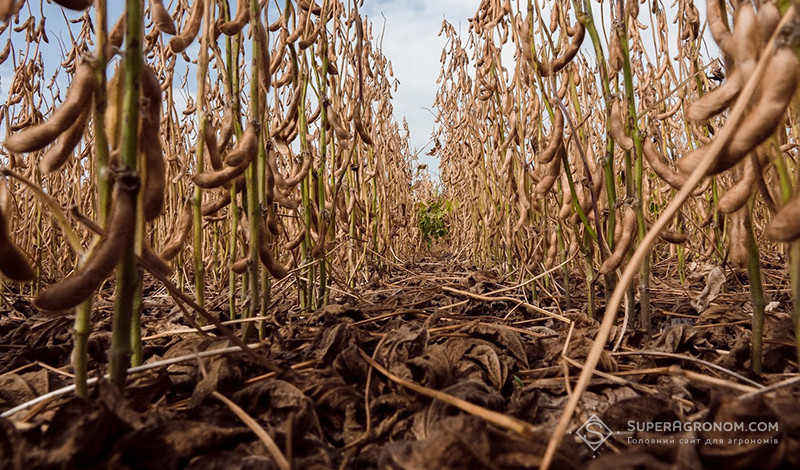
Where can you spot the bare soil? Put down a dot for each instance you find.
(437, 323)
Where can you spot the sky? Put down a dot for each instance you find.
(411, 43)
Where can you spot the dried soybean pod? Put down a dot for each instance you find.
(161, 18)
(286, 202)
(231, 28)
(27, 26)
(191, 108)
(623, 244)
(662, 69)
(776, 90)
(615, 57)
(310, 38)
(718, 99)
(670, 112)
(212, 147)
(182, 229)
(6, 205)
(746, 40)
(77, 5)
(6, 9)
(265, 76)
(82, 283)
(290, 120)
(13, 262)
(245, 149)
(215, 179)
(551, 174)
(311, 119)
(156, 174)
(660, 167)
(298, 30)
(150, 138)
(269, 185)
(632, 8)
(6, 52)
(554, 13)
(226, 132)
(280, 146)
(293, 180)
(549, 68)
(709, 216)
(296, 241)
(212, 207)
(555, 140)
(180, 42)
(785, 225)
(718, 24)
(335, 123)
(692, 27)
(276, 25)
(566, 201)
(673, 237)
(279, 56)
(362, 131)
(332, 69)
(265, 253)
(737, 254)
(737, 195)
(115, 37)
(273, 173)
(310, 5)
(552, 249)
(113, 115)
(617, 128)
(156, 262)
(768, 18)
(320, 244)
(618, 231)
(57, 155)
(272, 224)
(240, 266)
(38, 136)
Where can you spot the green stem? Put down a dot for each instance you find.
(80, 336)
(587, 19)
(202, 121)
(635, 187)
(137, 357)
(794, 274)
(756, 290)
(232, 49)
(83, 324)
(253, 196)
(127, 272)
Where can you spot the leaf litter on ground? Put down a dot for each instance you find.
(431, 367)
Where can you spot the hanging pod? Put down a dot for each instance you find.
(86, 279)
(79, 94)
